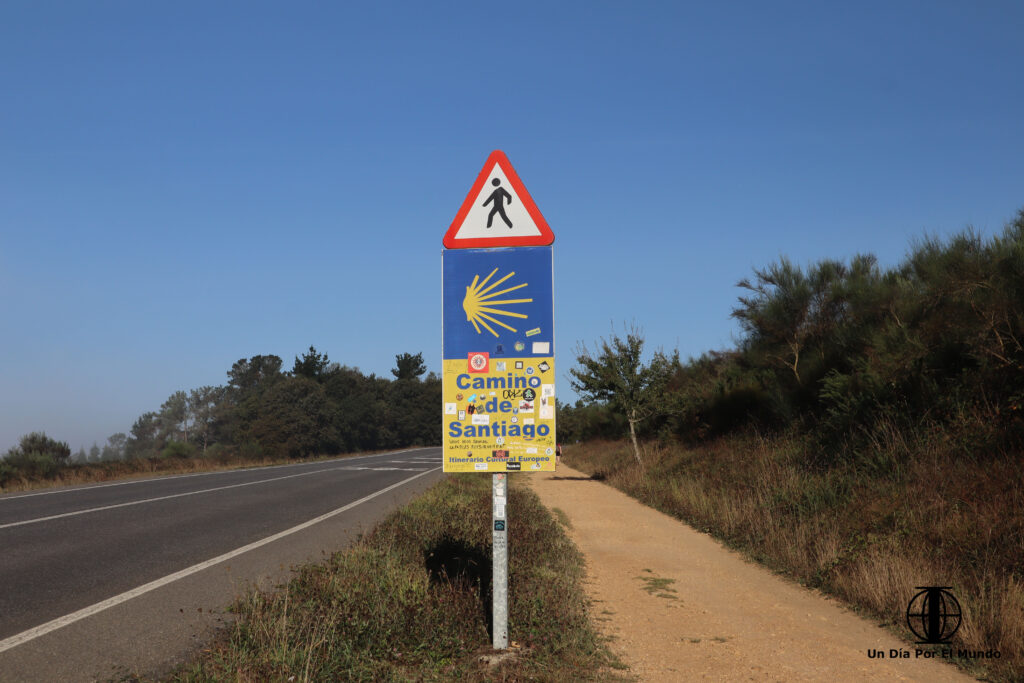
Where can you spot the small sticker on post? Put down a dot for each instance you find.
(499, 525)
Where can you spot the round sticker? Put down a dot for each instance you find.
(520, 346)
(478, 361)
(514, 419)
(529, 371)
(548, 451)
(529, 394)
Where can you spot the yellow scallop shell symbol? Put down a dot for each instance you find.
(480, 303)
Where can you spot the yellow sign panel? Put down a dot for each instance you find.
(499, 414)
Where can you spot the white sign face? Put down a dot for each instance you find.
(497, 211)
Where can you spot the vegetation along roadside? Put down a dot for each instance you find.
(865, 436)
(263, 415)
(411, 601)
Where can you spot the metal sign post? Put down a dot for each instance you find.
(498, 347)
(499, 561)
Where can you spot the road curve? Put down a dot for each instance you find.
(130, 577)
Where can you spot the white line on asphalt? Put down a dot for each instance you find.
(60, 622)
(197, 474)
(385, 469)
(173, 495)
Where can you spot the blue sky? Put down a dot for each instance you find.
(186, 184)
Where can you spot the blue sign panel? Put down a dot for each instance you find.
(498, 301)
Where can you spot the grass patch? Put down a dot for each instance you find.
(411, 601)
(659, 587)
(868, 535)
(562, 518)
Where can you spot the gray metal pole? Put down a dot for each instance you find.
(499, 560)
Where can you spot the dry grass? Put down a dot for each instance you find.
(867, 534)
(411, 602)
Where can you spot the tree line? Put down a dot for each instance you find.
(264, 411)
(317, 407)
(837, 350)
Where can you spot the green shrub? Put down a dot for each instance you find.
(33, 465)
(178, 449)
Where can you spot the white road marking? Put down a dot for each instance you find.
(386, 469)
(173, 495)
(60, 622)
(199, 474)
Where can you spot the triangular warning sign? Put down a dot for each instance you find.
(498, 212)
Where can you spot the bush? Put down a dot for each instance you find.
(38, 442)
(178, 449)
(33, 465)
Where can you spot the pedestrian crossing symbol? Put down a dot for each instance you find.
(498, 212)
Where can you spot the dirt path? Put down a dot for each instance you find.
(682, 607)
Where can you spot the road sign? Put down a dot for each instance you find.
(498, 350)
(498, 374)
(498, 212)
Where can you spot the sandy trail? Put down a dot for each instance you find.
(727, 619)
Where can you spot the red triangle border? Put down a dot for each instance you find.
(545, 237)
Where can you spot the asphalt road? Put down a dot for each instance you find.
(109, 580)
